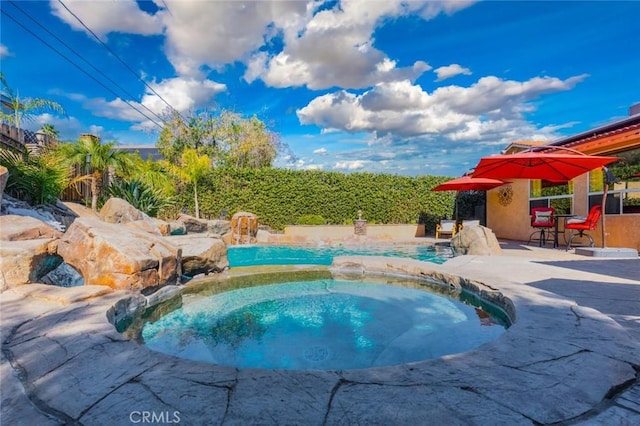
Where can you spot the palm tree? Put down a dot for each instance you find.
(99, 157)
(50, 131)
(37, 179)
(192, 169)
(15, 110)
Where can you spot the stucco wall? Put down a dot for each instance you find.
(510, 221)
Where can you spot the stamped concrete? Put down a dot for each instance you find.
(571, 357)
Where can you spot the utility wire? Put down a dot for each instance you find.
(120, 59)
(81, 57)
(4, 12)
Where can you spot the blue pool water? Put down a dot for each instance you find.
(292, 255)
(323, 324)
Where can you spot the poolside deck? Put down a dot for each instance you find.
(572, 357)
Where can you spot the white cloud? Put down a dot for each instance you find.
(406, 110)
(4, 51)
(351, 165)
(320, 151)
(182, 93)
(335, 48)
(449, 71)
(103, 17)
(321, 48)
(215, 33)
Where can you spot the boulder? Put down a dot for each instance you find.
(117, 210)
(201, 254)
(18, 228)
(244, 228)
(79, 210)
(475, 240)
(4, 176)
(119, 257)
(177, 228)
(161, 226)
(219, 226)
(145, 225)
(26, 261)
(63, 276)
(13, 206)
(193, 225)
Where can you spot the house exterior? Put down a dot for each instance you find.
(509, 206)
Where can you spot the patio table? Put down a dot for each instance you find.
(556, 226)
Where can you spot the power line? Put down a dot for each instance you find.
(81, 57)
(4, 12)
(119, 59)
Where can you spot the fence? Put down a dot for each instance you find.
(17, 139)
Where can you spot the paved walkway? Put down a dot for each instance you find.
(572, 357)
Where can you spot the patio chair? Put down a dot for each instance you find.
(446, 227)
(543, 221)
(466, 223)
(578, 226)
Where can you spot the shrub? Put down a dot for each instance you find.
(37, 179)
(139, 195)
(280, 197)
(311, 219)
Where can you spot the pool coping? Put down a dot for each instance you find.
(558, 362)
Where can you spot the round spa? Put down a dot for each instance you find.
(314, 321)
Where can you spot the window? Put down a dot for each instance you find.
(551, 194)
(623, 197)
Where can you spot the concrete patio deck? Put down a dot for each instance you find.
(572, 357)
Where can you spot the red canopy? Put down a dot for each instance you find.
(468, 183)
(555, 167)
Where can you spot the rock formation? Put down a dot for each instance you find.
(244, 228)
(117, 210)
(201, 254)
(106, 254)
(126, 250)
(475, 240)
(27, 250)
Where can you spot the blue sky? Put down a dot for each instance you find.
(410, 88)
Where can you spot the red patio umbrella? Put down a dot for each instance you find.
(468, 183)
(555, 167)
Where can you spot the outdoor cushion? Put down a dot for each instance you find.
(543, 217)
(447, 225)
(577, 219)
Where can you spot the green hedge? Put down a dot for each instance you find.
(280, 197)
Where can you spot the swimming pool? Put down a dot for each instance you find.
(325, 324)
(253, 255)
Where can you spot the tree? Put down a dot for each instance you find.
(196, 131)
(191, 168)
(99, 157)
(245, 142)
(16, 110)
(228, 139)
(154, 174)
(50, 131)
